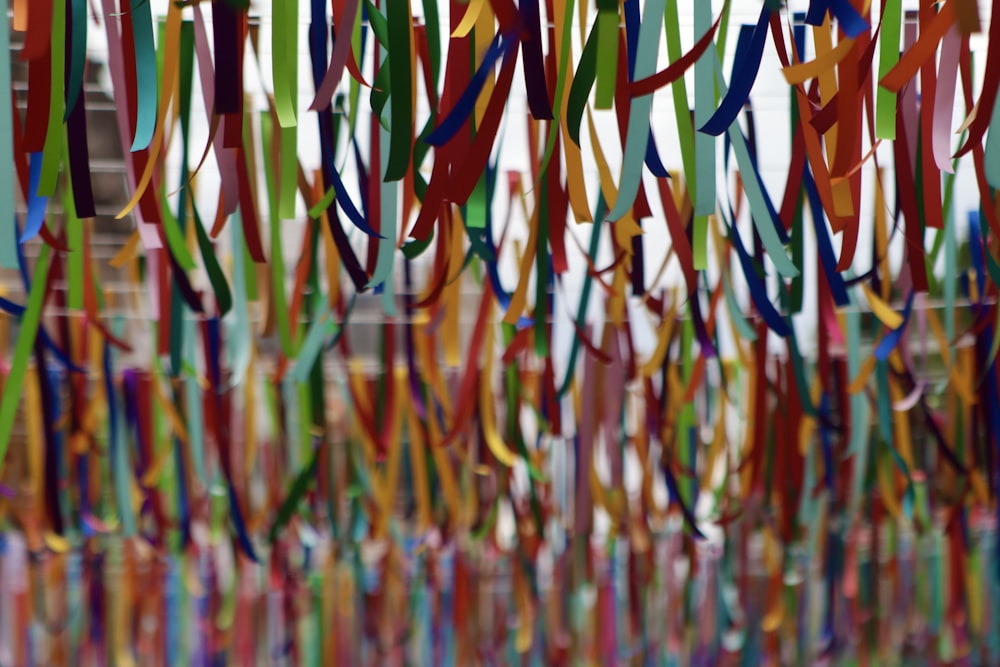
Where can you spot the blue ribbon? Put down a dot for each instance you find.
(463, 108)
(36, 203)
(502, 296)
(317, 53)
(675, 494)
(701, 332)
(653, 161)
(632, 22)
(11, 308)
(749, 51)
(976, 251)
(758, 291)
(836, 281)
(817, 12)
(891, 340)
(850, 21)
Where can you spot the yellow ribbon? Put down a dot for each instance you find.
(469, 19)
(496, 444)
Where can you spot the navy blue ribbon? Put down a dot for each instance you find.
(851, 22)
(463, 108)
(836, 282)
(749, 51)
(758, 291)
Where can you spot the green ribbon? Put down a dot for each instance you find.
(223, 297)
(583, 81)
(678, 89)
(401, 90)
(295, 495)
(285, 52)
(53, 149)
(380, 93)
(175, 235)
(607, 27)
(278, 297)
(888, 56)
(686, 419)
(12, 388)
(316, 212)
(432, 29)
(385, 261)
(475, 207)
(74, 259)
(797, 290)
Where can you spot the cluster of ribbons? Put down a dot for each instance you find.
(222, 478)
(417, 601)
